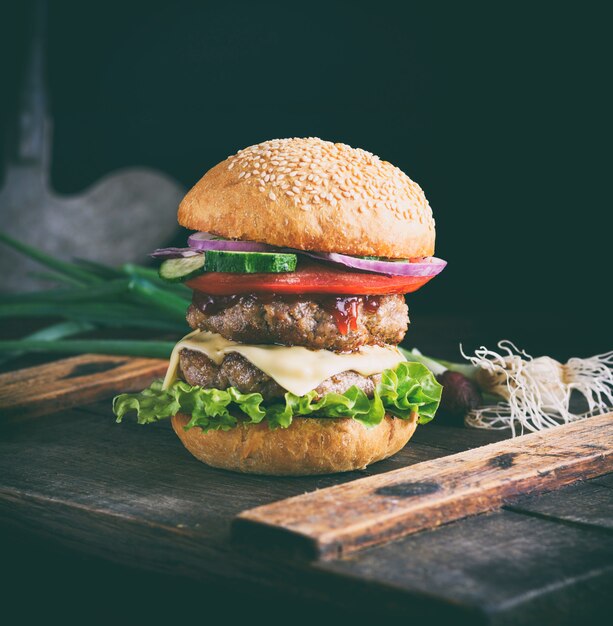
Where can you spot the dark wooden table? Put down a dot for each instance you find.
(118, 521)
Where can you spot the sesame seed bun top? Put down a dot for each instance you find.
(316, 195)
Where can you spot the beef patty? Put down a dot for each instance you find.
(315, 322)
(236, 371)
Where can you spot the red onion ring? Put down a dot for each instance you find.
(205, 241)
(173, 253)
(430, 267)
(200, 242)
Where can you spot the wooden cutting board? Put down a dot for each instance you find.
(332, 522)
(133, 495)
(75, 381)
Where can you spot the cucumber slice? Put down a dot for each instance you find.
(176, 270)
(249, 262)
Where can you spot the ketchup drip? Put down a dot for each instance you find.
(344, 309)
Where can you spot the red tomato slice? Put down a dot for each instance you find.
(308, 278)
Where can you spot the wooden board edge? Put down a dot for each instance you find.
(253, 525)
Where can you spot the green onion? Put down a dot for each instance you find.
(103, 271)
(163, 300)
(95, 292)
(137, 271)
(71, 270)
(142, 272)
(127, 347)
(54, 277)
(50, 333)
(438, 366)
(92, 296)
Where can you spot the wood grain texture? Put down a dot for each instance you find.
(516, 569)
(132, 495)
(69, 382)
(587, 504)
(605, 481)
(366, 512)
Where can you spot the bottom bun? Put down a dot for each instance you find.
(308, 446)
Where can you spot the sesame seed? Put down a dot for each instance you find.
(330, 173)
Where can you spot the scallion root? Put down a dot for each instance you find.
(536, 393)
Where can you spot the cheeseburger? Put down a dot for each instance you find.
(303, 253)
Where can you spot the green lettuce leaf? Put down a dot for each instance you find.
(408, 388)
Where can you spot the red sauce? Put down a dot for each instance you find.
(344, 309)
(371, 303)
(213, 304)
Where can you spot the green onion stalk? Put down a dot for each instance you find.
(89, 297)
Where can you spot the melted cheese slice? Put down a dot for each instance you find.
(294, 368)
